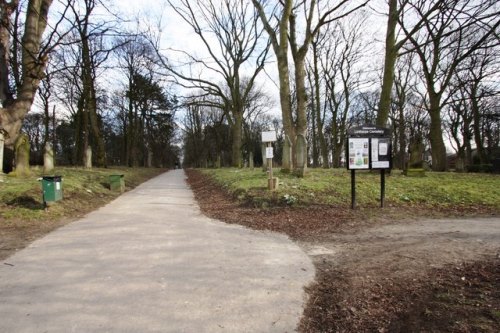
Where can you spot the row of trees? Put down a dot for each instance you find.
(435, 82)
(99, 94)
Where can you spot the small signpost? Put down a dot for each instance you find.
(368, 148)
(268, 138)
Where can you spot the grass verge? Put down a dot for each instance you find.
(466, 193)
(22, 214)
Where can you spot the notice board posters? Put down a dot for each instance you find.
(380, 154)
(359, 157)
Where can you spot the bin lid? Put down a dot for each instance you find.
(52, 178)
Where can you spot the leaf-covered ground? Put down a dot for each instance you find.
(378, 270)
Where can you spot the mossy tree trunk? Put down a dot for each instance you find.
(32, 65)
(22, 155)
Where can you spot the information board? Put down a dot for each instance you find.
(369, 147)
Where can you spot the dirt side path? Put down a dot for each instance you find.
(403, 249)
(376, 274)
(424, 276)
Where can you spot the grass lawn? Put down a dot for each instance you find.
(22, 214)
(333, 187)
(21, 198)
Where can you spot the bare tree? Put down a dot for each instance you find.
(30, 70)
(450, 37)
(318, 112)
(472, 83)
(343, 52)
(281, 25)
(404, 91)
(135, 56)
(393, 46)
(230, 33)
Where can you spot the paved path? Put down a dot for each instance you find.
(150, 262)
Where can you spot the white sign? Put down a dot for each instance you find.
(269, 136)
(269, 152)
(380, 165)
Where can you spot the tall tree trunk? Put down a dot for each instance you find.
(22, 153)
(33, 66)
(337, 153)
(402, 139)
(314, 140)
(436, 135)
(317, 110)
(46, 122)
(286, 107)
(236, 145)
(96, 131)
(477, 130)
(300, 157)
(391, 54)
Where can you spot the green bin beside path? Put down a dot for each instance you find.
(117, 183)
(52, 188)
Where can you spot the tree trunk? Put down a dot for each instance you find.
(286, 107)
(477, 131)
(337, 154)
(250, 161)
(315, 155)
(22, 153)
(88, 158)
(317, 111)
(33, 66)
(301, 127)
(48, 158)
(236, 145)
(90, 100)
(391, 54)
(94, 123)
(438, 148)
(402, 139)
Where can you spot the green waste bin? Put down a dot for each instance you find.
(117, 183)
(52, 188)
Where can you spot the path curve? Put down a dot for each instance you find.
(151, 262)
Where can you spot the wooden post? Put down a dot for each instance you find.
(270, 168)
(264, 158)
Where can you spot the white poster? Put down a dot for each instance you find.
(381, 165)
(358, 153)
(269, 152)
(382, 148)
(374, 150)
